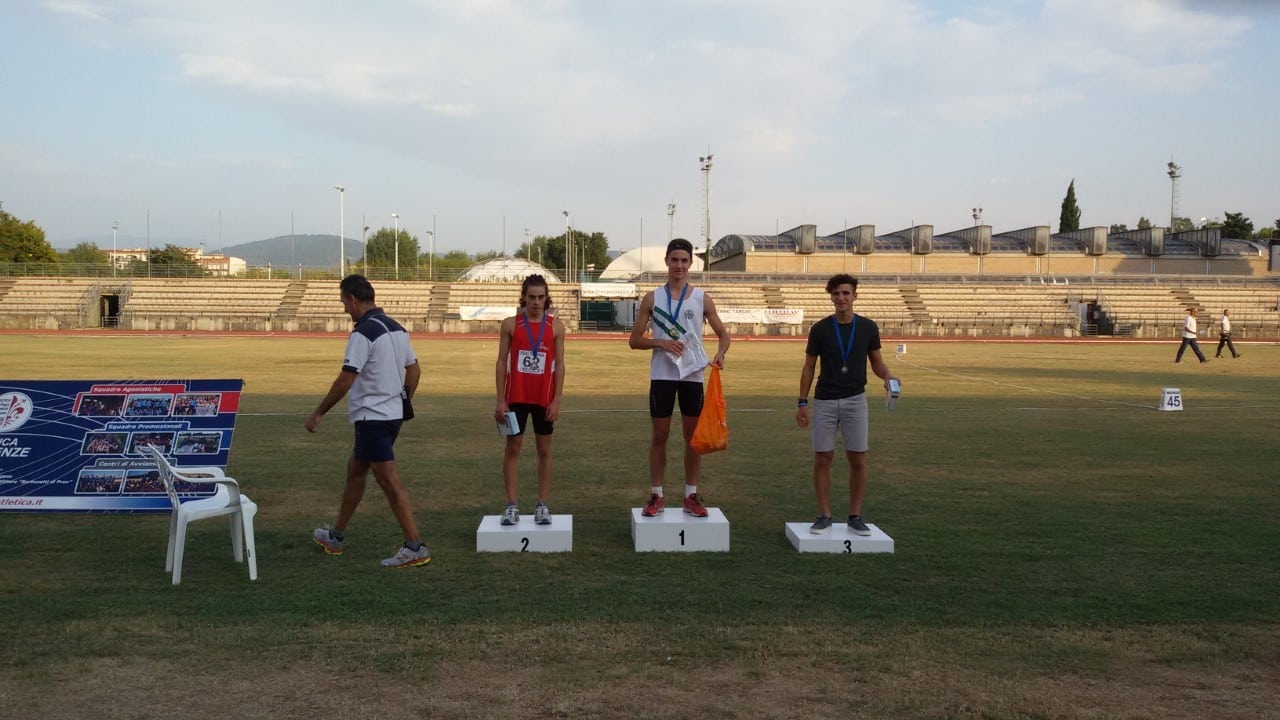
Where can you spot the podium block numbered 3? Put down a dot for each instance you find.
(676, 531)
(493, 536)
(839, 539)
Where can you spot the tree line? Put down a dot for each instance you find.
(1235, 226)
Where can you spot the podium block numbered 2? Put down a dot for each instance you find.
(676, 531)
(839, 539)
(493, 536)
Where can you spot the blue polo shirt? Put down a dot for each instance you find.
(378, 351)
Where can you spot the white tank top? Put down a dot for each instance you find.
(661, 365)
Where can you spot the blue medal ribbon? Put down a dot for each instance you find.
(675, 317)
(845, 349)
(535, 344)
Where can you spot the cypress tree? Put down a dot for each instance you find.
(1070, 218)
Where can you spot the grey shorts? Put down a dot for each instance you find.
(849, 415)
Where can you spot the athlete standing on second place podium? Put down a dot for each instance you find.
(675, 313)
(530, 382)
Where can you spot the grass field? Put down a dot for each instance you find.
(1063, 550)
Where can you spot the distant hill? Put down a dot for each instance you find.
(290, 251)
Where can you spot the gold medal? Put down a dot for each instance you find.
(675, 334)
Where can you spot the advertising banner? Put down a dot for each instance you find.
(78, 445)
(761, 316)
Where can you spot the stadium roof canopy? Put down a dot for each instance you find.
(641, 260)
(506, 269)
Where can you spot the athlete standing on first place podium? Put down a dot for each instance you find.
(675, 313)
(530, 382)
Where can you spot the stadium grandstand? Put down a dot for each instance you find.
(969, 282)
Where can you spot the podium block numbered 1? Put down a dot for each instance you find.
(839, 539)
(676, 531)
(493, 536)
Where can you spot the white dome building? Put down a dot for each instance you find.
(506, 269)
(639, 260)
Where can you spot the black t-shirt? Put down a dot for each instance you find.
(832, 385)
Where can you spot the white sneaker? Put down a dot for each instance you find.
(511, 516)
(542, 515)
(405, 557)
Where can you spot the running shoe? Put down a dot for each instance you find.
(654, 507)
(857, 526)
(821, 525)
(325, 539)
(693, 505)
(406, 558)
(542, 515)
(511, 516)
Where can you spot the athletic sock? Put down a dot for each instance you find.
(414, 545)
(690, 490)
(336, 535)
(656, 490)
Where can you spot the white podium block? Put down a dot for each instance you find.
(1171, 400)
(839, 539)
(677, 531)
(493, 536)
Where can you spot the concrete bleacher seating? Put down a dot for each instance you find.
(901, 305)
(881, 302)
(1255, 311)
(991, 308)
(200, 303)
(1153, 310)
(47, 302)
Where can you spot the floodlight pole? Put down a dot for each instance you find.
(1174, 173)
(396, 217)
(705, 164)
(115, 226)
(342, 224)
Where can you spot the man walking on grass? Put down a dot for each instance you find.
(379, 375)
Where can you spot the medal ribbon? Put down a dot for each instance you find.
(676, 329)
(845, 349)
(535, 344)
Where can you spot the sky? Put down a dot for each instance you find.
(229, 122)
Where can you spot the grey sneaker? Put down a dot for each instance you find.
(405, 558)
(857, 526)
(542, 515)
(821, 525)
(511, 516)
(325, 539)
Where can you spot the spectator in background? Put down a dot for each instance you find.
(1189, 335)
(1224, 336)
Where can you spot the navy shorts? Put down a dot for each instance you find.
(523, 411)
(663, 394)
(375, 440)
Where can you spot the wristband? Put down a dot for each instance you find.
(802, 402)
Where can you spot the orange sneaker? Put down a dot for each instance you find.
(654, 507)
(693, 505)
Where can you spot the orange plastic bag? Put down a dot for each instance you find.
(712, 432)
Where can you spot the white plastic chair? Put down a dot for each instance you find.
(227, 500)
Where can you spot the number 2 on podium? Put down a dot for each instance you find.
(524, 544)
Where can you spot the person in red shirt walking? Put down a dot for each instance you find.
(530, 383)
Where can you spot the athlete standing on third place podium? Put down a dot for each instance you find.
(840, 347)
(675, 313)
(530, 382)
